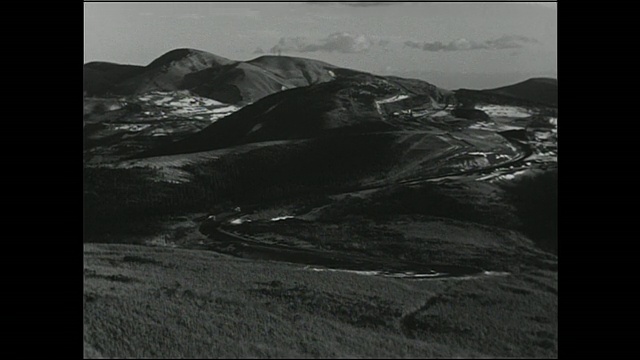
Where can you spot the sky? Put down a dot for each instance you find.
(453, 45)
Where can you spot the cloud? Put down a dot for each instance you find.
(504, 42)
(510, 42)
(337, 42)
(357, 3)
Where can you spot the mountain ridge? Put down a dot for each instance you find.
(206, 74)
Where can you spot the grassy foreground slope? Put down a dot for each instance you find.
(162, 302)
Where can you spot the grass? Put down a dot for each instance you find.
(201, 304)
(497, 335)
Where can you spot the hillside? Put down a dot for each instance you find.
(354, 103)
(541, 90)
(536, 91)
(247, 82)
(101, 77)
(166, 72)
(295, 71)
(144, 302)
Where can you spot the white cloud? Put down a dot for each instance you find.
(337, 42)
(503, 42)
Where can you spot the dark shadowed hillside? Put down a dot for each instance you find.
(165, 73)
(351, 104)
(541, 90)
(100, 77)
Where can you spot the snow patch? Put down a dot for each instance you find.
(282, 218)
(440, 113)
(392, 99)
(163, 100)
(512, 175)
(414, 275)
(239, 221)
(256, 128)
(402, 275)
(114, 107)
(227, 109)
(478, 154)
(504, 111)
(131, 128)
(211, 102)
(358, 272)
(419, 113)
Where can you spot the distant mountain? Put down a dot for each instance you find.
(166, 72)
(296, 71)
(208, 75)
(249, 81)
(101, 77)
(541, 91)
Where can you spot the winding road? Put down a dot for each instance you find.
(317, 260)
